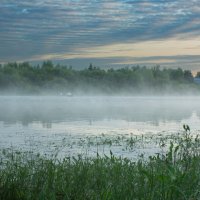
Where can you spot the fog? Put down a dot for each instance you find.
(48, 109)
(41, 123)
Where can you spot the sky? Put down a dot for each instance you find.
(107, 33)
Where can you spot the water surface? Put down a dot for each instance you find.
(40, 123)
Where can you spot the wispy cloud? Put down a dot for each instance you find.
(53, 29)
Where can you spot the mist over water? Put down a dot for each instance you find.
(37, 122)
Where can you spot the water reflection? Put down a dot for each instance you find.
(26, 110)
(40, 124)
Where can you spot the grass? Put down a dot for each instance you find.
(174, 174)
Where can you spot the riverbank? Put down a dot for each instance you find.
(174, 174)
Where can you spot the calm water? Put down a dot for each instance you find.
(42, 123)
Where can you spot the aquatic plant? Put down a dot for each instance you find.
(174, 174)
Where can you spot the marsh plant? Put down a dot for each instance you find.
(173, 174)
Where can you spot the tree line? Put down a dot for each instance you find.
(60, 79)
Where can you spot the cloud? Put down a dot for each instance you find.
(39, 28)
(25, 11)
(186, 62)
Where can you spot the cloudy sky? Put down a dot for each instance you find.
(103, 32)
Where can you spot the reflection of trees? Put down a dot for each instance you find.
(47, 110)
(198, 113)
(47, 125)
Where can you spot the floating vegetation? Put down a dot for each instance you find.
(171, 174)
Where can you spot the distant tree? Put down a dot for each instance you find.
(61, 77)
(156, 71)
(177, 74)
(90, 67)
(188, 76)
(47, 65)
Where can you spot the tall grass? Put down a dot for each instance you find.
(171, 175)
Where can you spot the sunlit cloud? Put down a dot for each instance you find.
(168, 47)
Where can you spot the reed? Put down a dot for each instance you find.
(174, 174)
